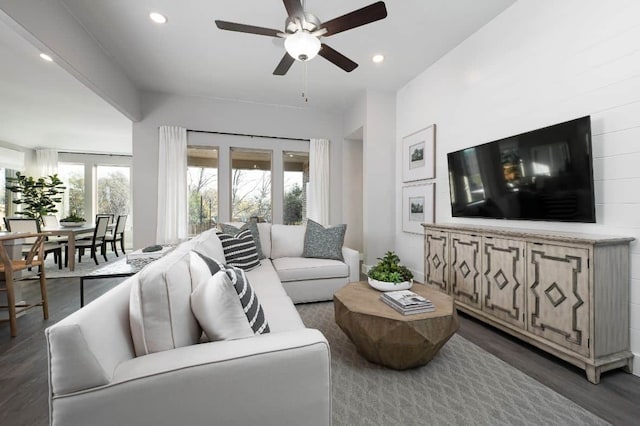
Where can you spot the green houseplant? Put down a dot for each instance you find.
(388, 274)
(73, 218)
(37, 196)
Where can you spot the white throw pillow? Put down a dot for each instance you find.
(218, 309)
(287, 240)
(200, 271)
(209, 244)
(159, 307)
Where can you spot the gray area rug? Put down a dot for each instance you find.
(86, 266)
(462, 385)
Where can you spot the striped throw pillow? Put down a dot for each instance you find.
(249, 300)
(240, 250)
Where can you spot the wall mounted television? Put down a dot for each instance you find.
(544, 174)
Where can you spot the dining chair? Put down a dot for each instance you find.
(33, 226)
(8, 266)
(111, 217)
(51, 222)
(117, 234)
(98, 240)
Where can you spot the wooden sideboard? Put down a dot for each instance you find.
(565, 293)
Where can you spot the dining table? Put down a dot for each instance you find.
(72, 233)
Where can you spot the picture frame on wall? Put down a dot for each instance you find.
(418, 155)
(418, 207)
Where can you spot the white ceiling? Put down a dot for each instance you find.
(190, 56)
(42, 106)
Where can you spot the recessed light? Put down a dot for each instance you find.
(158, 18)
(290, 155)
(377, 58)
(46, 57)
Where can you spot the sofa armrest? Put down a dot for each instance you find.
(273, 379)
(352, 259)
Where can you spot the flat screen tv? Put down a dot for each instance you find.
(545, 174)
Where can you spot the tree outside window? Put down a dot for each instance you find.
(202, 189)
(114, 190)
(72, 175)
(250, 185)
(296, 177)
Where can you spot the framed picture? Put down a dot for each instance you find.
(418, 207)
(418, 155)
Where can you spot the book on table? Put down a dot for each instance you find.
(407, 302)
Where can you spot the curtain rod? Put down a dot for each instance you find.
(251, 136)
(95, 153)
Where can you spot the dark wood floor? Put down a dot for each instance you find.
(23, 363)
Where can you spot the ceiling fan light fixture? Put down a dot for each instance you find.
(302, 46)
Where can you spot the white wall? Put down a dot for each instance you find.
(540, 62)
(198, 113)
(374, 113)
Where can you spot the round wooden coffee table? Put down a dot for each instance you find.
(386, 337)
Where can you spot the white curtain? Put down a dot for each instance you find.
(172, 185)
(46, 162)
(318, 205)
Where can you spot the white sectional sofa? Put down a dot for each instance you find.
(99, 373)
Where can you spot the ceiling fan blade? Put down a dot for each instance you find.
(242, 28)
(294, 8)
(337, 58)
(284, 65)
(366, 15)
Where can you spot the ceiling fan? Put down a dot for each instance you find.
(303, 31)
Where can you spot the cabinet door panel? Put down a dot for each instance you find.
(503, 279)
(436, 260)
(465, 268)
(558, 295)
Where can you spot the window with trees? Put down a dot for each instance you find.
(250, 185)
(202, 188)
(114, 190)
(72, 175)
(296, 177)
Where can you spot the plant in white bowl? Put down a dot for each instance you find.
(73, 220)
(389, 275)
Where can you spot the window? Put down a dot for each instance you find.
(72, 175)
(4, 208)
(296, 177)
(250, 185)
(202, 188)
(114, 190)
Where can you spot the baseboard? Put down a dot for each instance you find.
(636, 364)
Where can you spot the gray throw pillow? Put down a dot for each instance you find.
(323, 243)
(252, 226)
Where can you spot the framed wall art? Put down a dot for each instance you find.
(418, 155)
(418, 207)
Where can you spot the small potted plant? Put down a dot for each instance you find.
(73, 220)
(388, 274)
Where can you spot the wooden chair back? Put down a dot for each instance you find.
(24, 225)
(120, 224)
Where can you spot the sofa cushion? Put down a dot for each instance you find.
(302, 268)
(160, 314)
(209, 244)
(281, 314)
(265, 280)
(287, 241)
(217, 307)
(252, 226)
(240, 251)
(323, 243)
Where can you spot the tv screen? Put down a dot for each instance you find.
(545, 174)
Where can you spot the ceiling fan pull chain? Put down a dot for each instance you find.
(305, 92)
